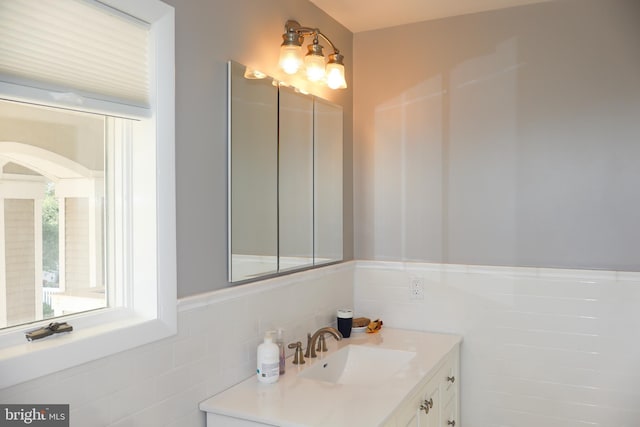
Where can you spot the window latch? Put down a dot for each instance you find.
(45, 331)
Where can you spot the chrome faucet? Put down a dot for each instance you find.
(311, 342)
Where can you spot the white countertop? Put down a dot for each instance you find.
(295, 401)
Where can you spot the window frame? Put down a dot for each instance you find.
(148, 310)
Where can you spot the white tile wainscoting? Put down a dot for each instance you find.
(542, 347)
(161, 384)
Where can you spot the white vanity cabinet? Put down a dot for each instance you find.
(398, 378)
(435, 401)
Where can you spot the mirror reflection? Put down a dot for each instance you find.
(285, 177)
(295, 180)
(327, 182)
(253, 160)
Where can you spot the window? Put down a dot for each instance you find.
(52, 212)
(96, 222)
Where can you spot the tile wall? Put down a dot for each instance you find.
(162, 383)
(542, 347)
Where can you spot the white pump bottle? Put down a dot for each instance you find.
(268, 369)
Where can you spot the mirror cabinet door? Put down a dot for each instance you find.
(285, 177)
(328, 166)
(295, 180)
(253, 174)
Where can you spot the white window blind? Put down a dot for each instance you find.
(75, 46)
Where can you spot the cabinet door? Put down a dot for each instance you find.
(391, 422)
(436, 401)
(413, 422)
(429, 410)
(408, 415)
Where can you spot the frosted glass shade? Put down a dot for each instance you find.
(335, 76)
(290, 58)
(315, 67)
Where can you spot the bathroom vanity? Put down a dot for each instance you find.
(394, 378)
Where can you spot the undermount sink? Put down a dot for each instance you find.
(357, 364)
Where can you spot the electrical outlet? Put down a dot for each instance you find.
(416, 288)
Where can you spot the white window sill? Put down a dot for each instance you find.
(94, 336)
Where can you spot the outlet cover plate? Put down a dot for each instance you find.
(416, 288)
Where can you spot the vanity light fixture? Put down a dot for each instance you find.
(314, 61)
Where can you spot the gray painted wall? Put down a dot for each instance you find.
(208, 34)
(504, 138)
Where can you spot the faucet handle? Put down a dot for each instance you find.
(298, 359)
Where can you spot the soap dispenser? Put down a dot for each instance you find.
(268, 360)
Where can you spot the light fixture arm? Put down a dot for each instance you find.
(335, 49)
(294, 27)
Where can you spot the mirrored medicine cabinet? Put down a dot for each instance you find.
(285, 177)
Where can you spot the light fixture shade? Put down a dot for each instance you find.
(314, 65)
(314, 61)
(335, 72)
(290, 58)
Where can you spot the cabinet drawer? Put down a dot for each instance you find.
(448, 375)
(449, 414)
